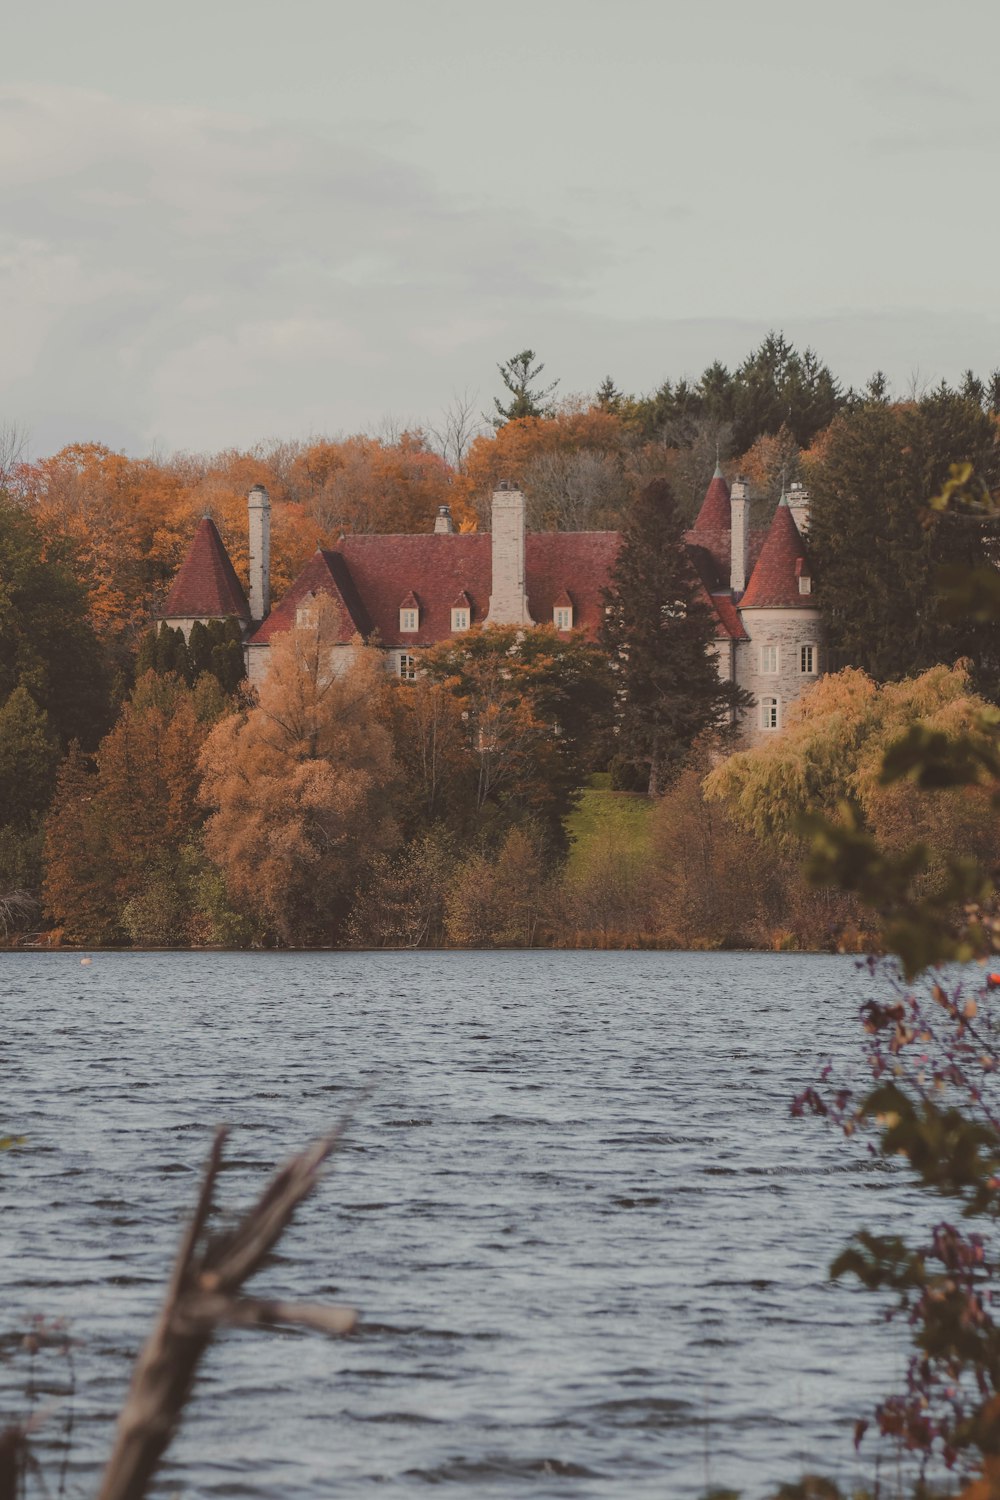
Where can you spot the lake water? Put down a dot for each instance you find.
(587, 1242)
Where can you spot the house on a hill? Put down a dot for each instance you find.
(408, 592)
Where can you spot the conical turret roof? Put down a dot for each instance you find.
(774, 583)
(206, 587)
(716, 512)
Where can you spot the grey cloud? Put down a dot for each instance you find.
(175, 268)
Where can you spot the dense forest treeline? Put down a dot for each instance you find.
(436, 811)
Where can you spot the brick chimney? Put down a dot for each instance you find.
(259, 515)
(798, 504)
(739, 565)
(508, 599)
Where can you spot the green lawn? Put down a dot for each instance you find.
(603, 816)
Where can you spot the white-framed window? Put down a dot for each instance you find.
(768, 660)
(769, 713)
(460, 619)
(409, 620)
(805, 584)
(562, 617)
(808, 661)
(407, 666)
(307, 615)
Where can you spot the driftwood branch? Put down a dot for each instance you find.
(202, 1297)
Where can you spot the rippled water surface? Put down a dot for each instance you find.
(589, 1245)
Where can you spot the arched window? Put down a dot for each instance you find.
(769, 713)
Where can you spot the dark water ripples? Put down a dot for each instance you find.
(589, 1246)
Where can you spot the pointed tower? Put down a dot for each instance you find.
(782, 657)
(206, 587)
(714, 513)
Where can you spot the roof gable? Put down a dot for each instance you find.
(206, 586)
(324, 573)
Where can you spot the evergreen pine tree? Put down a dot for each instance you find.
(658, 629)
(517, 374)
(199, 647)
(878, 548)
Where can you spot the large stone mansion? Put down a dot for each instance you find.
(409, 592)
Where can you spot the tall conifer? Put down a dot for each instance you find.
(658, 628)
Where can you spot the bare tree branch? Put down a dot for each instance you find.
(201, 1298)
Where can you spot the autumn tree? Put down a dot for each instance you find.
(531, 703)
(300, 787)
(121, 824)
(525, 399)
(572, 466)
(879, 548)
(831, 754)
(366, 484)
(658, 630)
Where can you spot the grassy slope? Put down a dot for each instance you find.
(603, 817)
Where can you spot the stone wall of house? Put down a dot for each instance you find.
(783, 632)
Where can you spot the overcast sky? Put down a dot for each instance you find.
(231, 220)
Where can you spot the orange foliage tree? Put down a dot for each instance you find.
(301, 786)
(364, 484)
(518, 446)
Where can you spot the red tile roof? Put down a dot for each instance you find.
(729, 617)
(206, 587)
(371, 574)
(324, 573)
(774, 583)
(716, 509)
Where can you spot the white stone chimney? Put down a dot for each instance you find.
(259, 509)
(508, 599)
(739, 565)
(798, 504)
(443, 524)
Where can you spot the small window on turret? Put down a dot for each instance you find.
(807, 660)
(769, 660)
(805, 584)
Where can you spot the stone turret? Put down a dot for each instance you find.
(259, 515)
(508, 597)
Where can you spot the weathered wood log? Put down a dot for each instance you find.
(201, 1297)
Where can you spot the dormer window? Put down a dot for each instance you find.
(306, 613)
(409, 615)
(562, 612)
(461, 612)
(802, 574)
